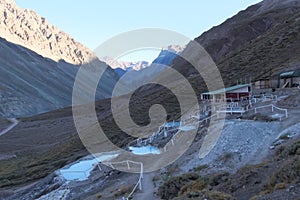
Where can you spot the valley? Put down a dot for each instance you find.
(160, 140)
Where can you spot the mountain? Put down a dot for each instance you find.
(27, 28)
(168, 54)
(247, 25)
(135, 78)
(125, 65)
(120, 71)
(38, 64)
(41, 144)
(165, 57)
(264, 37)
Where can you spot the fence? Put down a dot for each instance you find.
(177, 135)
(162, 130)
(272, 107)
(269, 97)
(128, 162)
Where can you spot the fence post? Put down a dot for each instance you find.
(142, 170)
(140, 184)
(165, 133)
(99, 167)
(111, 166)
(272, 108)
(128, 166)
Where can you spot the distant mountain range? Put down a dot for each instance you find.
(125, 65)
(139, 73)
(145, 69)
(165, 57)
(38, 64)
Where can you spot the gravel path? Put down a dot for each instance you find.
(148, 188)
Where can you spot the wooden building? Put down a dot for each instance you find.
(262, 84)
(234, 93)
(285, 79)
(291, 78)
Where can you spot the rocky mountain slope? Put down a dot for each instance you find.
(38, 64)
(247, 25)
(27, 28)
(269, 21)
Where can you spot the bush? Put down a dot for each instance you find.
(218, 178)
(123, 190)
(280, 186)
(206, 194)
(198, 185)
(284, 137)
(171, 187)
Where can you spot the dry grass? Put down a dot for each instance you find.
(30, 167)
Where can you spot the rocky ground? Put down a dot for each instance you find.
(250, 140)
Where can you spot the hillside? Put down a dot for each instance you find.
(238, 31)
(253, 38)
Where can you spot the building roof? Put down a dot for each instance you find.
(224, 90)
(290, 74)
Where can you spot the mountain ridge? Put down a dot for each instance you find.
(25, 27)
(238, 33)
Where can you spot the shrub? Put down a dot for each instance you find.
(123, 190)
(284, 136)
(218, 178)
(280, 186)
(198, 185)
(171, 187)
(206, 194)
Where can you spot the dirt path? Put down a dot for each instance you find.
(148, 188)
(292, 119)
(14, 121)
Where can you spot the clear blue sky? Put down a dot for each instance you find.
(91, 22)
